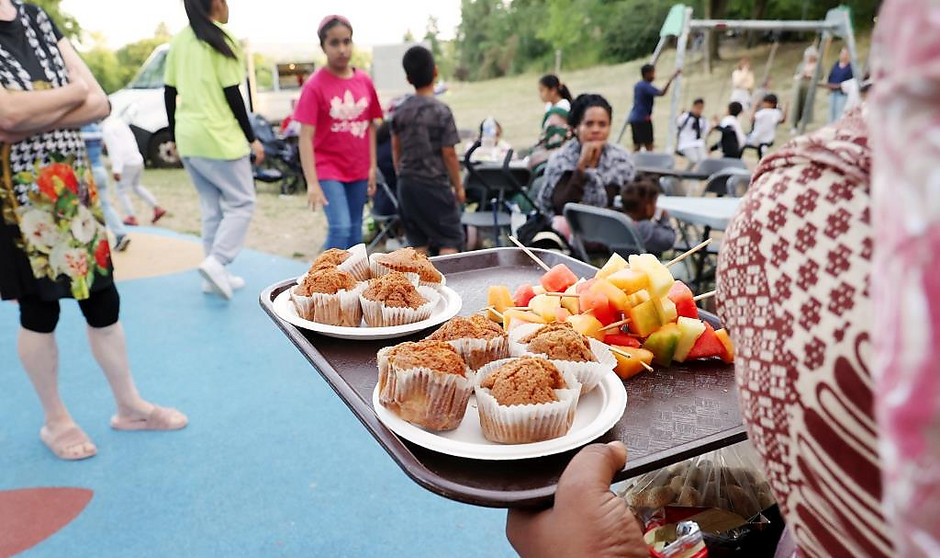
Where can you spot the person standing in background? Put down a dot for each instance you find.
(742, 82)
(841, 72)
(213, 135)
(641, 116)
(127, 166)
(94, 145)
(336, 111)
(803, 81)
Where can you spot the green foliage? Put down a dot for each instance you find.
(66, 23)
(264, 72)
(503, 37)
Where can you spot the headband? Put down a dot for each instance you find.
(330, 18)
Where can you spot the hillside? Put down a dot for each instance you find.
(515, 104)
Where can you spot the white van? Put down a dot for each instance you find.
(142, 100)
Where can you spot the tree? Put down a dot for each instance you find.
(409, 37)
(104, 65)
(66, 23)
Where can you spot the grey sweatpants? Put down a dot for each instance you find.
(227, 199)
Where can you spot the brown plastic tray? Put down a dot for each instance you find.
(672, 414)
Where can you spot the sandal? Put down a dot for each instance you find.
(160, 418)
(65, 440)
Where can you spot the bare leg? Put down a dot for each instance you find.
(421, 249)
(40, 357)
(110, 350)
(446, 251)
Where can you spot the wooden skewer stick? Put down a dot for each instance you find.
(564, 295)
(493, 310)
(681, 257)
(530, 254)
(703, 296)
(616, 325)
(628, 355)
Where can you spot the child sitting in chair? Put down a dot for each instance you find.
(765, 125)
(652, 224)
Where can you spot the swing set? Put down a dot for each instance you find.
(680, 24)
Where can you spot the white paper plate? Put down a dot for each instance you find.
(598, 411)
(446, 308)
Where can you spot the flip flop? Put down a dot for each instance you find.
(71, 437)
(160, 418)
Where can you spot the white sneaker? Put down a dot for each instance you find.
(214, 273)
(235, 281)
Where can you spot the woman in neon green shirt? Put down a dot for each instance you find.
(213, 135)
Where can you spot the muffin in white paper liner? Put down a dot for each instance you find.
(589, 374)
(432, 400)
(357, 264)
(340, 309)
(377, 314)
(480, 352)
(523, 424)
(379, 269)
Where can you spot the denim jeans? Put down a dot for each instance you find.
(227, 199)
(345, 204)
(837, 101)
(111, 218)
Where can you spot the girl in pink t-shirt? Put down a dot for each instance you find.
(336, 111)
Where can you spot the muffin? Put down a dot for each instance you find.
(407, 260)
(588, 359)
(394, 299)
(354, 261)
(524, 400)
(478, 339)
(425, 383)
(329, 296)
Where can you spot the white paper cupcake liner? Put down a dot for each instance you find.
(379, 269)
(429, 399)
(589, 374)
(480, 352)
(340, 309)
(522, 424)
(357, 264)
(377, 314)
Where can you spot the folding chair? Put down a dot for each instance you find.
(653, 159)
(711, 166)
(494, 186)
(728, 182)
(388, 221)
(591, 225)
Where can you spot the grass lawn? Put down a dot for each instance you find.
(281, 225)
(284, 225)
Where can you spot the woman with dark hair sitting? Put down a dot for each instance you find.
(588, 169)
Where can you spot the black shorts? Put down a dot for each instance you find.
(642, 132)
(430, 214)
(100, 309)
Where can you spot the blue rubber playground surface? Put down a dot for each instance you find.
(271, 464)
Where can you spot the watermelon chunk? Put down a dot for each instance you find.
(558, 278)
(681, 295)
(707, 345)
(598, 305)
(524, 295)
(621, 340)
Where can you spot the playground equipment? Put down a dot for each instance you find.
(680, 24)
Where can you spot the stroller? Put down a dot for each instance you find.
(281, 158)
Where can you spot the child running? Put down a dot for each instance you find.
(423, 138)
(127, 166)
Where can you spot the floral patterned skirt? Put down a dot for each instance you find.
(53, 241)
